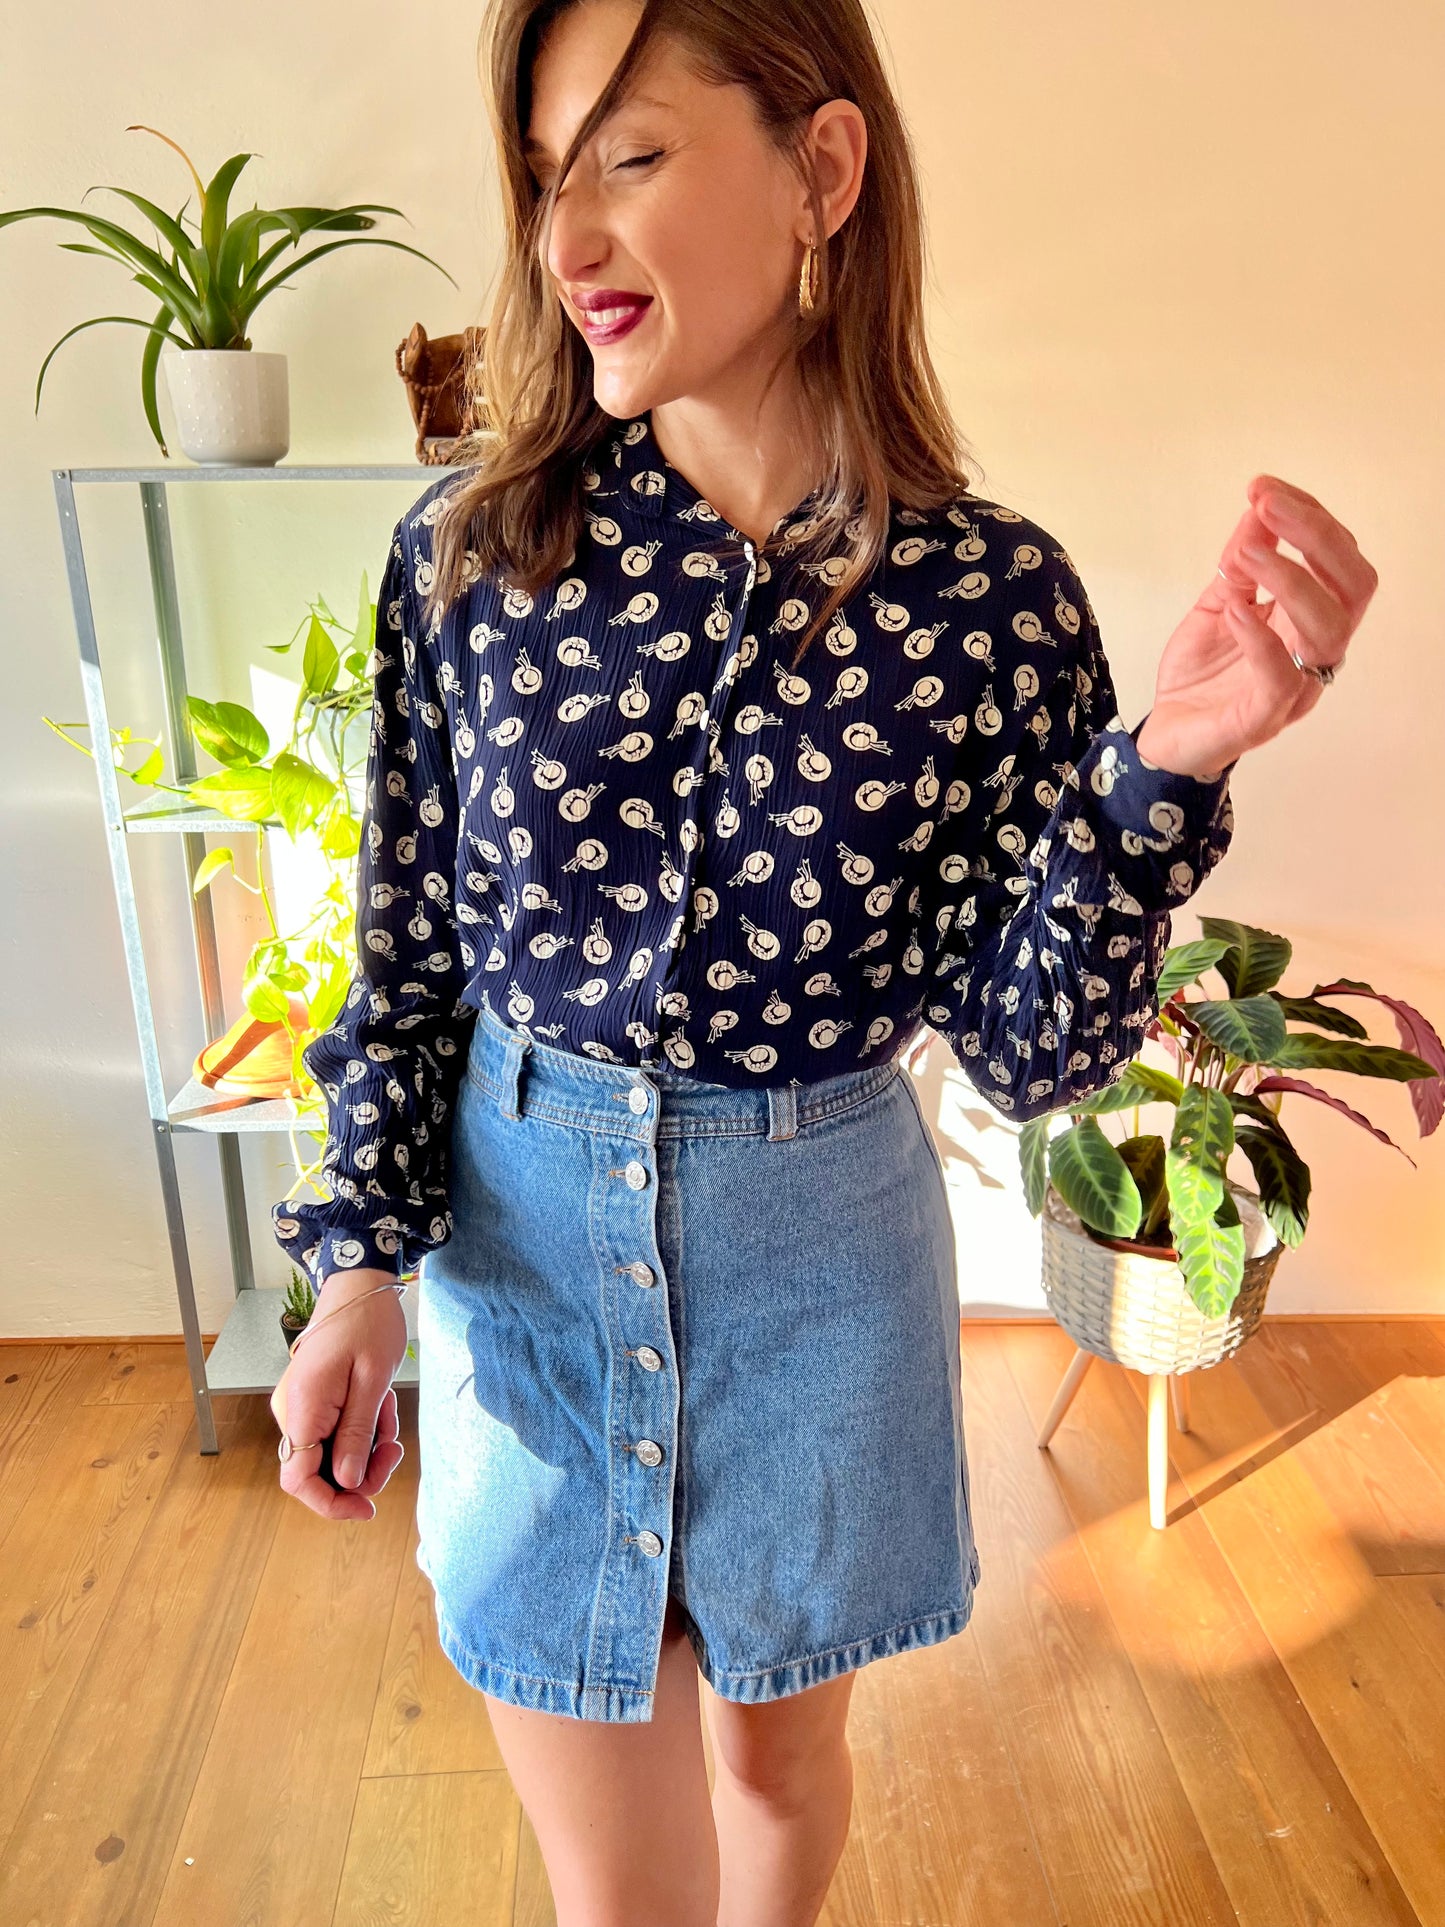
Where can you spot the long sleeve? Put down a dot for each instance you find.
(1048, 904)
(391, 1063)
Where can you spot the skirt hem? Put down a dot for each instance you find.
(624, 1704)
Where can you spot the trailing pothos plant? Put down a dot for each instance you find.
(1235, 1061)
(311, 791)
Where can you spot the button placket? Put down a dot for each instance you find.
(652, 1411)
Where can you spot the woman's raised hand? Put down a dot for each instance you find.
(1226, 681)
(339, 1381)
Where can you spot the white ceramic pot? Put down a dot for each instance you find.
(231, 405)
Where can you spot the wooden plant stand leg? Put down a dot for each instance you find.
(1159, 1384)
(1064, 1397)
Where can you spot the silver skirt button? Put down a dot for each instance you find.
(642, 1274)
(649, 1543)
(636, 1174)
(648, 1359)
(649, 1451)
(637, 1098)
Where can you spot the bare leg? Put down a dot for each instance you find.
(621, 1810)
(782, 1800)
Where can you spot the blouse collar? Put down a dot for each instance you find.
(631, 460)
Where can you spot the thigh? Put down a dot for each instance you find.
(621, 1810)
(773, 1748)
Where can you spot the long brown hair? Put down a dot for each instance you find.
(865, 374)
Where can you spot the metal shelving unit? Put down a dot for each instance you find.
(249, 1354)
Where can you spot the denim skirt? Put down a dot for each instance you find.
(693, 1342)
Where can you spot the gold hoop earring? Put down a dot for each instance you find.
(808, 280)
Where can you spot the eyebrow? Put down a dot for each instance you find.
(532, 146)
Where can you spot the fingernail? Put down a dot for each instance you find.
(349, 1472)
(1255, 552)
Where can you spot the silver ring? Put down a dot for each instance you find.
(1322, 672)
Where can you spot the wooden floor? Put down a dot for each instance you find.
(215, 1708)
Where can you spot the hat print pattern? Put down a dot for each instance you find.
(615, 814)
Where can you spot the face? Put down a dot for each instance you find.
(679, 211)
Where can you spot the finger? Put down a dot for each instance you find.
(1239, 574)
(358, 1436)
(1328, 547)
(1324, 624)
(1289, 691)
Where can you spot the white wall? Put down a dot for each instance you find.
(1171, 248)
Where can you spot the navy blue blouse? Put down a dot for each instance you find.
(615, 814)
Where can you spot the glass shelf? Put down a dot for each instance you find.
(278, 472)
(197, 1107)
(171, 813)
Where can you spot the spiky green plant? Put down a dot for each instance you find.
(208, 288)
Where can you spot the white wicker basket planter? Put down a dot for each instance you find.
(1133, 1308)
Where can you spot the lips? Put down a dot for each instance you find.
(614, 315)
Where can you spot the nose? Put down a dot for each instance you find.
(577, 242)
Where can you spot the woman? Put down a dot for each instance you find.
(724, 739)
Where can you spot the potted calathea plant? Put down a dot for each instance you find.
(1153, 1255)
(231, 403)
(312, 791)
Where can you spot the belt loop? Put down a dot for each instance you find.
(512, 1075)
(782, 1110)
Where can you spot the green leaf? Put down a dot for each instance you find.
(227, 731)
(1186, 963)
(1121, 1095)
(1195, 1162)
(1309, 1010)
(149, 771)
(1146, 1081)
(301, 792)
(1211, 1255)
(1249, 1028)
(1283, 1180)
(1305, 1051)
(320, 661)
(96, 321)
(1034, 1162)
(341, 836)
(259, 294)
(209, 868)
(244, 792)
(1145, 1157)
(1255, 960)
(265, 1000)
(1092, 1178)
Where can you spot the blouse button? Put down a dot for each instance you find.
(650, 1543)
(636, 1174)
(649, 1451)
(648, 1359)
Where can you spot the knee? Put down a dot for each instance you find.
(785, 1771)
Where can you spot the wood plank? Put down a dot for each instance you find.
(140, 1371)
(1357, 1661)
(1386, 1493)
(430, 1849)
(940, 1833)
(1118, 1838)
(37, 1395)
(264, 1838)
(66, 1561)
(1283, 1829)
(93, 1841)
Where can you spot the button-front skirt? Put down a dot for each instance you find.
(695, 1341)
